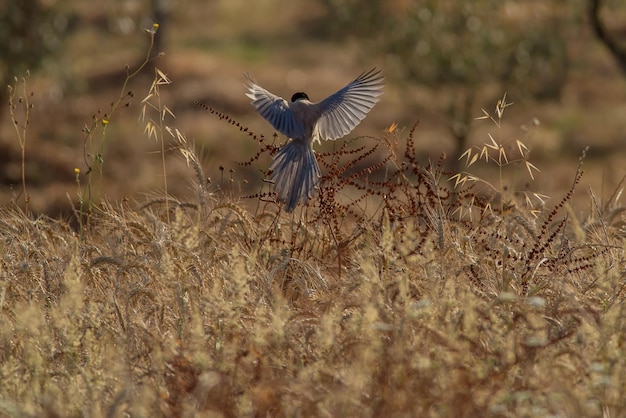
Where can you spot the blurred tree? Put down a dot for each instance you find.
(460, 47)
(30, 30)
(617, 49)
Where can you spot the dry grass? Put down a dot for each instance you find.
(394, 293)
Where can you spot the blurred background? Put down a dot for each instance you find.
(561, 63)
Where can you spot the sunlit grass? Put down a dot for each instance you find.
(384, 297)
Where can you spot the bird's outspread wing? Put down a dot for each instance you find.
(275, 110)
(344, 110)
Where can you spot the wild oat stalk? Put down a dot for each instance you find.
(156, 128)
(495, 152)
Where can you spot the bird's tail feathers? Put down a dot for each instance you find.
(295, 174)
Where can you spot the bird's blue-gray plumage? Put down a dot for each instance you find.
(295, 172)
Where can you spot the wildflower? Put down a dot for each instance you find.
(153, 29)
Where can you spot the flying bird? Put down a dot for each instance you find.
(294, 170)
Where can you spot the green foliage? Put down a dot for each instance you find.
(470, 43)
(462, 48)
(465, 43)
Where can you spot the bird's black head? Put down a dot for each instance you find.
(298, 96)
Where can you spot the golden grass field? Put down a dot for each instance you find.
(167, 282)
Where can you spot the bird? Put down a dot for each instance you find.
(294, 169)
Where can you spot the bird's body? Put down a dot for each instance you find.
(294, 170)
(305, 113)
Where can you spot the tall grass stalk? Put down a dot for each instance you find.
(22, 104)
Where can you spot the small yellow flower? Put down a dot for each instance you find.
(153, 29)
(77, 170)
(105, 122)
